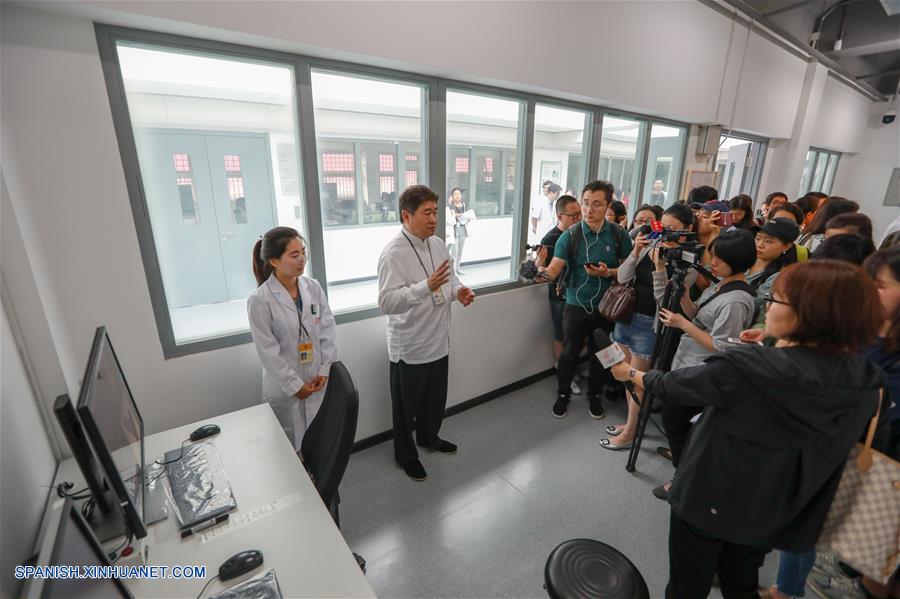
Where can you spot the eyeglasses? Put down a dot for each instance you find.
(570, 214)
(641, 220)
(770, 299)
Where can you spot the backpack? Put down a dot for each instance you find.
(576, 234)
(734, 286)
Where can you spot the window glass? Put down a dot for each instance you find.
(621, 150)
(806, 178)
(828, 181)
(369, 141)
(663, 165)
(560, 154)
(738, 162)
(819, 172)
(483, 149)
(217, 143)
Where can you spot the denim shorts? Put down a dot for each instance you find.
(638, 335)
(557, 307)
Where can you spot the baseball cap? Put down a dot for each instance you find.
(784, 229)
(712, 206)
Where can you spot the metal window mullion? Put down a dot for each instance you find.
(593, 172)
(644, 140)
(437, 148)
(684, 145)
(315, 222)
(526, 153)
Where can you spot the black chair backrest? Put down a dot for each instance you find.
(329, 439)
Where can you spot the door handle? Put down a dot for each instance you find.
(226, 235)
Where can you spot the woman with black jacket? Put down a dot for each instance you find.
(763, 463)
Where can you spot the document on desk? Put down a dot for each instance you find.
(240, 519)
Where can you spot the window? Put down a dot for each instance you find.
(621, 151)
(219, 159)
(560, 156)
(664, 157)
(483, 148)
(739, 162)
(369, 133)
(819, 171)
(209, 130)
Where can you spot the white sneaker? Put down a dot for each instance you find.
(835, 587)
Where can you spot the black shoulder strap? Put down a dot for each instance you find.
(576, 237)
(730, 286)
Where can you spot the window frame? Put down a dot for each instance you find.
(818, 154)
(431, 165)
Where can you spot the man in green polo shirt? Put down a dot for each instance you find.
(590, 252)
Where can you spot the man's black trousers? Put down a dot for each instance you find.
(578, 327)
(418, 398)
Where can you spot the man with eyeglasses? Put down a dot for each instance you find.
(568, 212)
(590, 251)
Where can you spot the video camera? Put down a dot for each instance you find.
(689, 251)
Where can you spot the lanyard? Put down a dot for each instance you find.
(299, 304)
(416, 252)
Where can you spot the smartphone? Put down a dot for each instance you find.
(726, 219)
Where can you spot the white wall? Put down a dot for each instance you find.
(841, 121)
(27, 463)
(658, 57)
(864, 177)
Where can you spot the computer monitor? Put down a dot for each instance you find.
(69, 541)
(108, 522)
(115, 428)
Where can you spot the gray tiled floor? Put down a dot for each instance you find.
(484, 522)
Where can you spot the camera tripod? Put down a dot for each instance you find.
(664, 349)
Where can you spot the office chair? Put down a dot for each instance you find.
(585, 569)
(329, 438)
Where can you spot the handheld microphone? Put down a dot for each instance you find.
(610, 353)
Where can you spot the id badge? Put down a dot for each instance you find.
(305, 353)
(437, 297)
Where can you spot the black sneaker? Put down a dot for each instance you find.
(561, 406)
(415, 470)
(596, 407)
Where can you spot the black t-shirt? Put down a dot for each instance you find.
(550, 240)
(645, 302)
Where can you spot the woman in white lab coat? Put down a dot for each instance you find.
(293, 330)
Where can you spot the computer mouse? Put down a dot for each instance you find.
(207, 430)
(240, 563)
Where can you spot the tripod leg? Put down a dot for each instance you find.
(643, 418)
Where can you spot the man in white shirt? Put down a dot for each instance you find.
(415, 288)
(544, 219)
(536, 212)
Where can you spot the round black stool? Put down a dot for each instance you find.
(584, 568)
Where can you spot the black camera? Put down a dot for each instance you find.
(688, 251)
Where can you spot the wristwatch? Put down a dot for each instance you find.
(631, 373)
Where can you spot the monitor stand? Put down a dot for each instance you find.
(110, 525)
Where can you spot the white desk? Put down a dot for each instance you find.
(297, 536)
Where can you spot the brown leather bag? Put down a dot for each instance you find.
(618, 303)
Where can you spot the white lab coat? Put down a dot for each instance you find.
(275, 329)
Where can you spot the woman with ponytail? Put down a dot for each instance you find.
(293, 330)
